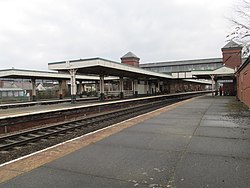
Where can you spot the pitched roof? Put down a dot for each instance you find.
(99, 66)
(223, 70)
(232, 44)
(129, 55)
(219, 71)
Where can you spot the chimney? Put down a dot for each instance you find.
(231, 53)
(130, 59)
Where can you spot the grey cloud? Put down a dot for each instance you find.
(40, 31)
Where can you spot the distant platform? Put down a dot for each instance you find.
(42, 102)
(26, 108)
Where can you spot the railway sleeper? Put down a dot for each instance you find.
(61, 134)
(60, 128)
(10, 141)
(33, 135)
(51, 130)
(23, 137)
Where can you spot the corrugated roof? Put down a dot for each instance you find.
(183, 62)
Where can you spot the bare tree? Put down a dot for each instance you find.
(241, 22)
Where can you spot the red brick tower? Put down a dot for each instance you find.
(231, 53)
(130, 59)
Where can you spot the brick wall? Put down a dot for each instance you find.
(131, 61)
(243, 85)
(232, 57)
(246, 85)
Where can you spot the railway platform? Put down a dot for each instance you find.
(18, 109)
(42, 102)
(199, 142)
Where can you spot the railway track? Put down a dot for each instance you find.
(11, 141)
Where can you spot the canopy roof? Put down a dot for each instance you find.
(99, 66)
(222, 72)
(18, 73)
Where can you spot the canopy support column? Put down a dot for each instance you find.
(216, 87)
(60, 89)
(158, 86)
(212, 77)
(33, 81)
(102, 95)
(73, 84)
(121, 88)
(135, 88)
(82, 88)
(146, 86)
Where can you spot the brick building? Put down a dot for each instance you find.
(232, 58)
(232, 55)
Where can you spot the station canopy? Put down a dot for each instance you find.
(28, 74)
(100, 66)
(221, 73)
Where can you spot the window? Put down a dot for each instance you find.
(4, 94)
(10, 93)
(16, 93)
(20, 93)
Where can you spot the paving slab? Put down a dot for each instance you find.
(223, 132)
(174, 121)
(104, 165)
(187, 111)
(215, 117)
(121, 163)
(148, 141)
(217, 110)
(54, 178)
(174, 115)
(218, 123)
(174, 129)
(196, 170)
(220, 146)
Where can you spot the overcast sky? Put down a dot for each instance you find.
(36, 32)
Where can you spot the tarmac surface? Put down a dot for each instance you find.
(203, 142)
